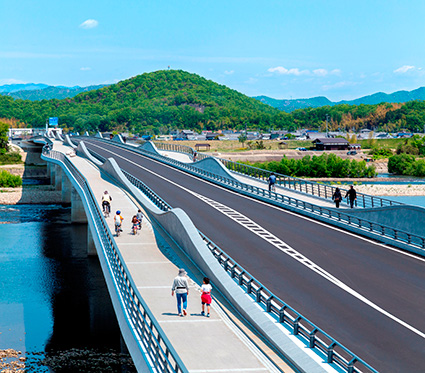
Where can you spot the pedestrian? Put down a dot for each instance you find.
(272, 181)
(139, 216)
(181, 288)
(206, 296)
(352, 195)
(194, 156)
(337, 197)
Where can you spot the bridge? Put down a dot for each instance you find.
(304, 286)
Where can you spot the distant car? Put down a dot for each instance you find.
(352, 152)
(301, 149)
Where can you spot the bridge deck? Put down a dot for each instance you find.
(262, 184)
(215, 344)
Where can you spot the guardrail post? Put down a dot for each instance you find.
(330, 353)
(258, 294)
(269, 303)
(249, 286)
(312, 338)
(282, 315)
(241, 278)
(297, 325)
(350, 366)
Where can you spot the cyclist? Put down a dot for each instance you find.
(106, 202)
(139, 216)
(136, 224)
(272, 181)
(118, 221)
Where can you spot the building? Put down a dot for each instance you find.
(331, 144)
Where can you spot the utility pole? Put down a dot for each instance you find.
(327, 116)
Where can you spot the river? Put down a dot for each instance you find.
(54, 304)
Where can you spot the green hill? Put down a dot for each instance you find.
(152, 102)
(52, 92)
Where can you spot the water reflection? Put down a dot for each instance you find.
(53, 297)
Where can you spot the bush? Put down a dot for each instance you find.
(7, 180)
(10, 158)
(325, 165)
(382, 152)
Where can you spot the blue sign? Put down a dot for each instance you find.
(53, 121)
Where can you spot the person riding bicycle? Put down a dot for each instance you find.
(139, 216)
(136, 223)
(106, 202)
(272, 181)
(118, 220)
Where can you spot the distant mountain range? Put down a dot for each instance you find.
(35, 92)
(376, 98)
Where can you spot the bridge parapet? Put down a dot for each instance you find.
(147, 342)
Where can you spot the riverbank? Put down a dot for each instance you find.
(30, 194)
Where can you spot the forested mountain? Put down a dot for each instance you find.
(376, 98)
(170, 99)
(153, 102)
(51, 92)
(7, 88)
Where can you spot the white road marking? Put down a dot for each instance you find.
(285, 248)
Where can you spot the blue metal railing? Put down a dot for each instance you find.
(328, 214)
(150, 337)
(314, 337)
(297, 184)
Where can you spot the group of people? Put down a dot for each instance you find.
(136, 220)
(351, 194)
(181, 289)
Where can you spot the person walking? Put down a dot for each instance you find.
(352, 195)
(206, 296)
(139, 216)
(272, 181)
(337, 197)
(181, 288)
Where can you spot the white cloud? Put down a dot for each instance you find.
(11, 81)
(229, 72)
(85, 68)
(335, 72)
(90, 23)
(283, 71)
(404, 69)
(320, 72)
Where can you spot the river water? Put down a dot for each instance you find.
(54, 304)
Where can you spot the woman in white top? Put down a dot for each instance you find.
(206, 296)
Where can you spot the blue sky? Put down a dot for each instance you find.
(282, 49)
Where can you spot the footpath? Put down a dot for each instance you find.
(221, 343)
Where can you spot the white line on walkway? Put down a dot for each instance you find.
(226, 370)
(182, 319)
(236, 216)
(148, 262)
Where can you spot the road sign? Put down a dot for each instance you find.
(53, 121)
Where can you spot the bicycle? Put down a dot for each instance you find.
(135, 229)
(117, 230)
(106, 209)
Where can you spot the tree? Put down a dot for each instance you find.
(4, 139)
(242, 138)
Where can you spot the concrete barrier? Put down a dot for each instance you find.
(69, 142)
(182, 231)
(83, 152)
(118, 138)
(405, 218)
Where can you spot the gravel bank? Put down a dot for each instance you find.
(40, 194)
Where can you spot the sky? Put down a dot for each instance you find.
(281, 49)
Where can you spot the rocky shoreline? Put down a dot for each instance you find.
(31, 194)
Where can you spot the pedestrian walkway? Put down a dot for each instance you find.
(220, 343)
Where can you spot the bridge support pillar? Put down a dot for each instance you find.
(91, 248)
(66, 189)
(52, 168)
(58, 177)
(78, 215)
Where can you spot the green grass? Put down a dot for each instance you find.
(10, 158)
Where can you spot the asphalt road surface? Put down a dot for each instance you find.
(369, 297)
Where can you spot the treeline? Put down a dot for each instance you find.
(325, 165)
(406, 164)
(172, 99)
